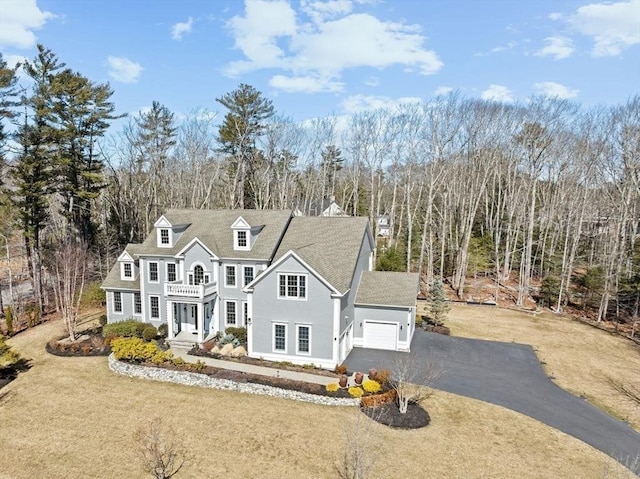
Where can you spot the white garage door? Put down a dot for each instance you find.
(380, 335)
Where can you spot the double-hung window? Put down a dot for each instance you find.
(292, 286)
(171, 272)
(230, 306)
(164, 236)
(117, 302)
(153, 272)
(303, 339)
(242, 239)
(230, 276)
(128, 270)
(247, 275)
(137, 303)
(280, 337)
(154, 307)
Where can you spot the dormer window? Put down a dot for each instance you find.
(241, 235)
(126, 271)
(164, 231)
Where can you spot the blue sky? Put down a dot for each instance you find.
(320, 58)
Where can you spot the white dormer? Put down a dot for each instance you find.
(241, 235)
(164, 233)
(127, 267)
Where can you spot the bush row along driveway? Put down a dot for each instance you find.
(510, 375)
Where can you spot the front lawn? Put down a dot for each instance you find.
(73, 417)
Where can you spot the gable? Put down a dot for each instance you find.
(195, 242)
(240, 223)
(125, 257)
(162, 223)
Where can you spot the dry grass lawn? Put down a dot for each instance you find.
(72, 417)
(579, 358)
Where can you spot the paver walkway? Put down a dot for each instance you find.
(510, 375)
(253, 369)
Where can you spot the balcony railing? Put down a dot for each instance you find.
(200, 291)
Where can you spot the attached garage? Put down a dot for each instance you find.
(385, 309)
(378, 335)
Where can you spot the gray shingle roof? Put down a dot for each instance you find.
(386, 288)
(330, 245)
(213, 228)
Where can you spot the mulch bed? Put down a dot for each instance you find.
(90, 343)
(389, 415)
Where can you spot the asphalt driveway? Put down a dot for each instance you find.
(510, 375)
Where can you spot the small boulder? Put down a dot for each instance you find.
(238, 352)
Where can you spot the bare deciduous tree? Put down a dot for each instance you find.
(412, 378)
(356, 459)
(162, 452)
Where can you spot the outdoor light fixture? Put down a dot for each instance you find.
(248, 321)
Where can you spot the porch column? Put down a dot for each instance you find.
(200, 321)
(170, 319)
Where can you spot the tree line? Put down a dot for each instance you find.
(542, 197)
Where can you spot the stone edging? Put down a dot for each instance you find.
(201, 380)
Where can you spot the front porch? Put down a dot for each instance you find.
(187, 339)
(191, 320)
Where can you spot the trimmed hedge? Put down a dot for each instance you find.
(129, 328)
(135, 349)
(239, 333)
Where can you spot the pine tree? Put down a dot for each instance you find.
(8, 92)
(243, 124)
(438, 302)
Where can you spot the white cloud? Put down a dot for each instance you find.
(498, 49)
(180, 28)
(271, 36)
(443, 90)
(18, 19)
(305, 84)
(555, 16)
(612, 26)
(558, 47)
(498, 93)
(124, 70)
(358, 103)
(552, 89)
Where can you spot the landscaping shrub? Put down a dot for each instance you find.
(197, 367)
(129, 328)
(239, 333)
(178, 361)
(163, 330)
(419, 320)
(33, 315)
(378, 399)
(103, 320)
(332, 387)
(135, 349)
(371, 386)
(229, 339)
(149, 332)
(356, 391)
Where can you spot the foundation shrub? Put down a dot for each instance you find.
(340, 369)
(163, 330)
(135, 349)
(239, 333)
(149, 332)
(332, 387)
(129, 328)
(378, 399)
(383, 377)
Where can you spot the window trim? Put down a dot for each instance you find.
(175, 272)
(236, 239)
(235, 276)
(244, 276)
(151, 298)
(298, 351)
(169, 243)
(286, 295)
(116, 302)
(128, 277)
(235, 313)
(157, 280)
(136, 310)
(245, 312)
(273, 337)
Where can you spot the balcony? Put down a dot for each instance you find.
(183, 290)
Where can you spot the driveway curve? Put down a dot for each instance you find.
(510, 375)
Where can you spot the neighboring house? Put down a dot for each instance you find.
(326, 207)
(383, 226)
(302, 286)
